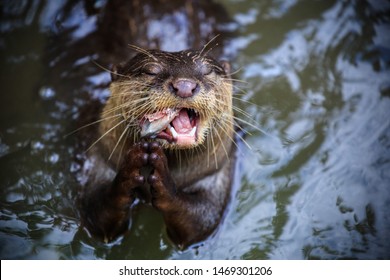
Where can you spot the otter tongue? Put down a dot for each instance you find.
(182, 131)
(182, 123)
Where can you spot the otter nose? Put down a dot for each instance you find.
(184, 88)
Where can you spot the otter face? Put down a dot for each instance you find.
(179, 99)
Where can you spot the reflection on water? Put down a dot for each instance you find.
(314, 185)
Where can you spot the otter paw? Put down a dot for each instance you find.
(162, 186)
(130, 171)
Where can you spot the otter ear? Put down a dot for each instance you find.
(226, 66)
(116, 71)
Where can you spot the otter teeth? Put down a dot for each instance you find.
(176, 135)
(173, 131)
(193, 131)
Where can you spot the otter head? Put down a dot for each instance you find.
(180, 99)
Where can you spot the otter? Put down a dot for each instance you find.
(166, 136)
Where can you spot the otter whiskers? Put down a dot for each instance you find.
(106, 133)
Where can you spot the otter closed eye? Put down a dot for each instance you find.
(205, 69)
(152, 69)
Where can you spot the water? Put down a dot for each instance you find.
(316, 184)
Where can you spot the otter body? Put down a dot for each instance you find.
(165, 136)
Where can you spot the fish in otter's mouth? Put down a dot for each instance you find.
(178, 125)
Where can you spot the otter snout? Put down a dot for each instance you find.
(184, 88)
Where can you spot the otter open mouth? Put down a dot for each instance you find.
(177, 126)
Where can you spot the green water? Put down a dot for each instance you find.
(314, 184)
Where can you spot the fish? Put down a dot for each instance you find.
(153, 124)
